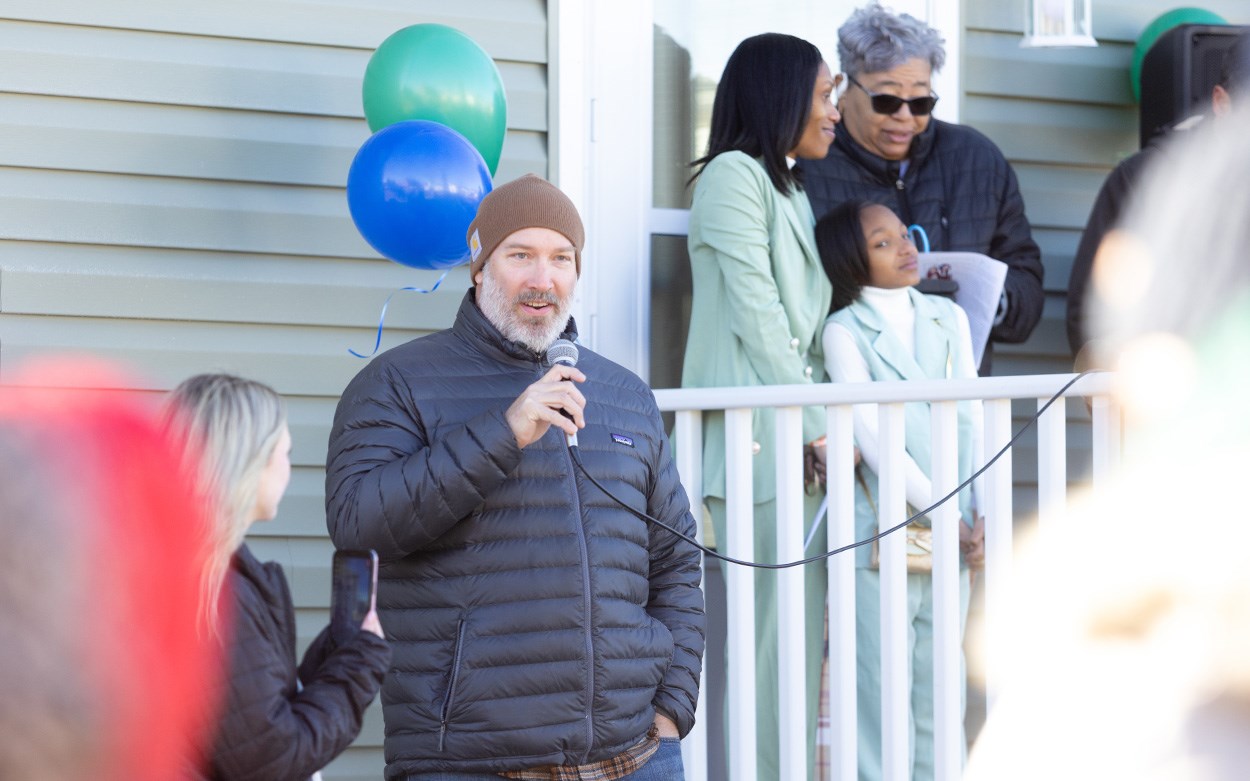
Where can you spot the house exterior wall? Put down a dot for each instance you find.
(172, 197)
(1064, 118)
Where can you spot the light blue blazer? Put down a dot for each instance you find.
(938, 350)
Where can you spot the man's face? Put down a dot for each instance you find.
(526, 286)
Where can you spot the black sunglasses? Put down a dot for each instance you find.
(890, 104)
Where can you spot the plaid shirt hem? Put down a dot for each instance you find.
(612, 769)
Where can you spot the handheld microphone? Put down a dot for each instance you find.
(565, 352)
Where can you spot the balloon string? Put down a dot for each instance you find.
(382, 317)
(924, 237)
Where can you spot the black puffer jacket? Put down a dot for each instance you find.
(961, 190)
(534, 621)
(270, 728)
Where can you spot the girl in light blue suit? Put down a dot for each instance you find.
(882, 328)
(760, 299)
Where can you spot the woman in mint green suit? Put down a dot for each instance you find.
(882, 328)
(760, 299)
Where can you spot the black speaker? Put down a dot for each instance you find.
(1178, 72)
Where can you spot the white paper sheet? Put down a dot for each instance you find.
(980, 279)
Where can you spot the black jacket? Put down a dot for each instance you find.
(961, 190)
(1109, 207)
(270, 728)
(534, 621)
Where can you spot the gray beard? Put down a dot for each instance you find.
(501, 312)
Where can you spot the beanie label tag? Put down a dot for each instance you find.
(475, 246)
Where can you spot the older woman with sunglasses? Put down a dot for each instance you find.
(949, 179)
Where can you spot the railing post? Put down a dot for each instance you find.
(998, 544)
(995, 501)
(947, 638)
(740, 595)
(1052, 463)
(895, 654)
(843, 719)
(1106, 438)
(792, 682)
(689, 458)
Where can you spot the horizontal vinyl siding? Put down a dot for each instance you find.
(172, 198)
(1064, 118)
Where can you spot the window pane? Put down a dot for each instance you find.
(670, 309)
(693, 40)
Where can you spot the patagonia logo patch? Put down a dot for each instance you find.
(621, 439)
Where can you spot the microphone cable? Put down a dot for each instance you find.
(821, 556)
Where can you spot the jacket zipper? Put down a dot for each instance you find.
(590, 650)
(451, 685)
(903, 201)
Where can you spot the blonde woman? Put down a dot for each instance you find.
(277, 721)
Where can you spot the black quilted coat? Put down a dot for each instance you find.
(270, 728)
(961, 190)
(534, 621)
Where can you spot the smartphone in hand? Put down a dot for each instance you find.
(353, 592)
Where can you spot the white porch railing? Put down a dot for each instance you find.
(997, 394)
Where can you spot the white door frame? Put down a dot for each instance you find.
(601, 156)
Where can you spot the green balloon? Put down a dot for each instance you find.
(437, 73)
(1160, 25)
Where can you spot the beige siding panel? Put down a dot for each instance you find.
(523, 153)
(310, 418)
(1058, 248)
(505, 29)
(1065, 134)
(306, 561)
(1058, 196)
(143, 67)
(294, 360)
(164, 284)
(996, 64)
(48, 132)
(43, 205)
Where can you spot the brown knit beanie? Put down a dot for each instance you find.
(528, 202)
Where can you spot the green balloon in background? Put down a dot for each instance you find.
(437, 73)
(1160, 25)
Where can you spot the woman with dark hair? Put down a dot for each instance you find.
(760, 297)
(882, 328)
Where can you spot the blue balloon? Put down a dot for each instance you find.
(413, 189)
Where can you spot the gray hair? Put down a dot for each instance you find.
(876, 39)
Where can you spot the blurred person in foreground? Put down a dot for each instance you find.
(949, 179)
(1130, 657)
(104, 672)
(280, 721)
(1122, 184)
(541, 629)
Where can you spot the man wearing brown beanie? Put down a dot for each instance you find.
(540, 629)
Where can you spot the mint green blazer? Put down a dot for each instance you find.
(938, 349)
(760, 299)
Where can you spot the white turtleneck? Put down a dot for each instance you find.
(845, 363)
(895, 307)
